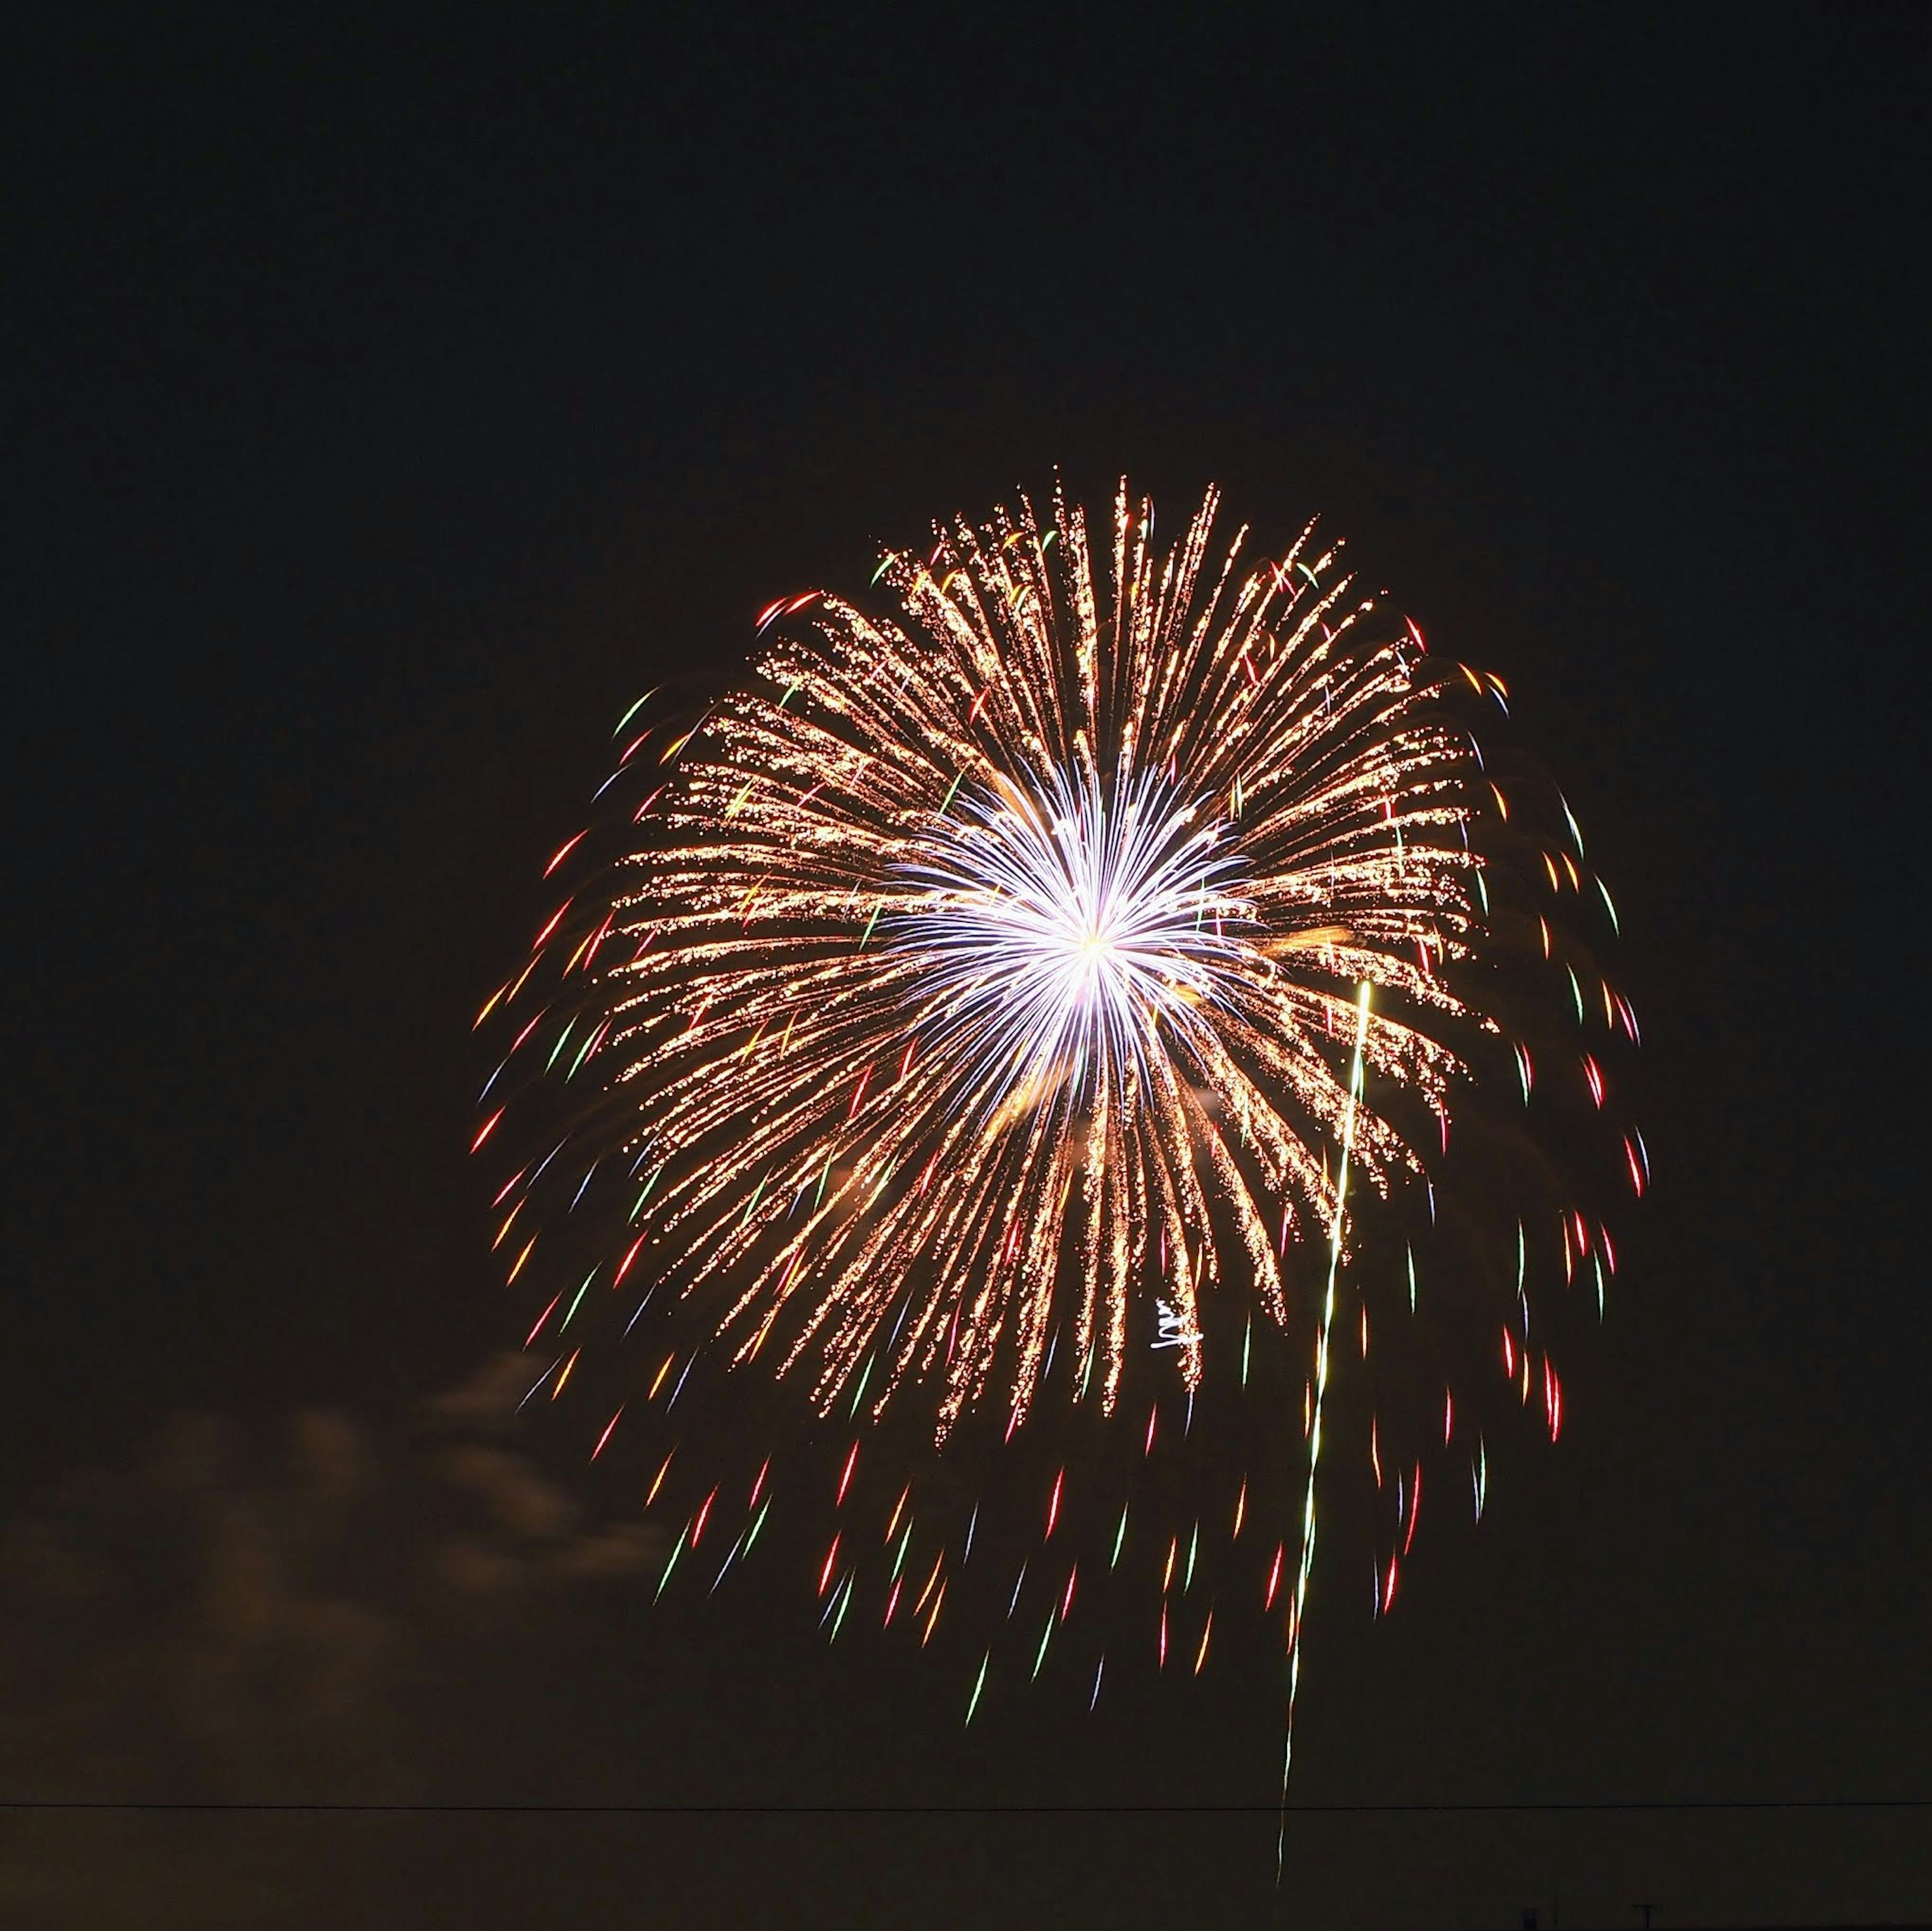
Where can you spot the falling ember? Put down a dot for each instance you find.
(608, 1426)
(703, 1514)
(555, 919)
(979, 1684)
(542, 1318)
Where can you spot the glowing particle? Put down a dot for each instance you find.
(606, 1435)
(677, 1549)
(979, 1684)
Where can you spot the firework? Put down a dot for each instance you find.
(1051, 999)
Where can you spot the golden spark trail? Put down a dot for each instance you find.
(984, 878)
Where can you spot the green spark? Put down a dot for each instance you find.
(758, 1525)
(587, 1279)
(757, 1194)
(582, 1052)
(633, 710)
(677, 1551)
(979, 1685)
(860, 1395)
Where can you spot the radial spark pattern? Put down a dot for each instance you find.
(1054, 995)
(984, 948)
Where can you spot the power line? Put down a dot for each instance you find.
(1616, 1807)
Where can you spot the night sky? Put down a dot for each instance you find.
(385, 409)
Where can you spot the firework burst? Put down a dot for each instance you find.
(1009, 1002)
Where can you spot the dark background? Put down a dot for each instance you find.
(385, 408)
